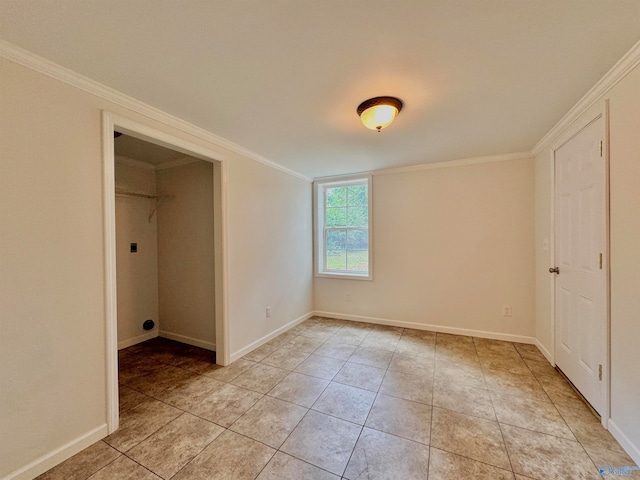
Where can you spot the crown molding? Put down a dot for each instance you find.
(504, 157)
(628, 62)
(47, 67)
(23, 57)
(435, 165)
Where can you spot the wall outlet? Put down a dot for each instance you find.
(506, 311)
(269, 312)
(347, 297)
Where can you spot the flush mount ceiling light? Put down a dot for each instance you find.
(376, 113)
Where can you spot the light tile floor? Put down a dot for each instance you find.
(331, 399)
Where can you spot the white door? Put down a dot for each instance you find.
(580, 283)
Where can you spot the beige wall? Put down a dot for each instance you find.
(52, 287)
(271, 250)
(544, 240)
(625, 257)
(137, 273)
(185, 254)
(625, 254)
(543, 252)
(52, 350)
(451, 247)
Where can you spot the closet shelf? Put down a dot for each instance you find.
(127, 193)
(158, 198)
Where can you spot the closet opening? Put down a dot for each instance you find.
(166, 278)
(164, 245)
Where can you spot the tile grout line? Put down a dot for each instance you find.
(306, 413)
(365, 421)
(368, 414)
(504, 442)
(474, 460)
(330, 381)
(120, 454)
(241, 434)
(362, 426)
(552, 403)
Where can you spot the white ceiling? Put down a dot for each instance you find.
(284, 77)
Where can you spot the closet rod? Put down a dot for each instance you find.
(157, 198)
(135, 194)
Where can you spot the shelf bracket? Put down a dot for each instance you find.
(159, 199)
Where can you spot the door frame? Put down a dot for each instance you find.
(601, 111)
(111, 122)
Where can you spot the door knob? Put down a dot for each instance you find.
(554, 270)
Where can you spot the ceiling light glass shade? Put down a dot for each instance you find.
(377, 113)
(379, 116)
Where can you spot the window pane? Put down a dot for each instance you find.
(357, 240)
(357, 216)
(358, 260)
(357, 195)
(336, 240)
(336, 216)
(336, 259)
(336, 197)
(336, 244)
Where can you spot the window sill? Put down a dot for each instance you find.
(345, 276)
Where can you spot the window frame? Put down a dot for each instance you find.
(319, 226)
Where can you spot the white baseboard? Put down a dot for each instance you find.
(545, 352)
(433, 328)
(188, 340)
(632, 450)
(261, 341)
(139, 339)
(59, 455)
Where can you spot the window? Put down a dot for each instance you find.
(343, 228)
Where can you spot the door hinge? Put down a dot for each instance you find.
(600, 372)
(601, 146)
(600, 262)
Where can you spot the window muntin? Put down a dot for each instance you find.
(343, 228)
